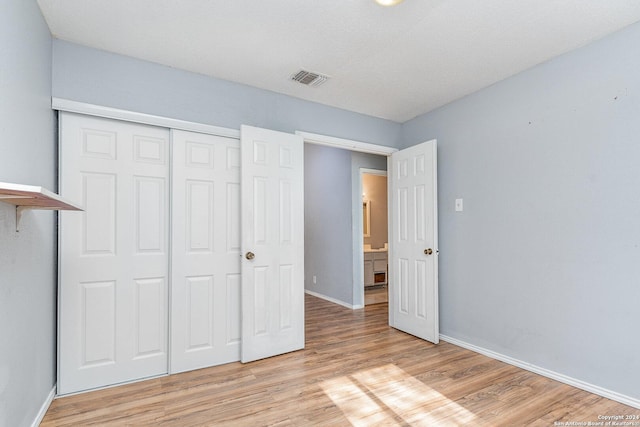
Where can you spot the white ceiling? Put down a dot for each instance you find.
(389, 62)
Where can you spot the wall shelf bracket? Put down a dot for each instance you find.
(19, 210)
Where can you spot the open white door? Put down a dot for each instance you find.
(272, 191)
(413, 297)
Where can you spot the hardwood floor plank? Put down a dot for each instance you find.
(354, 371)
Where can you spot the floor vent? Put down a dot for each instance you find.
(309, 78)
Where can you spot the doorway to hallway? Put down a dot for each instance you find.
(375, 242)
(412, 241)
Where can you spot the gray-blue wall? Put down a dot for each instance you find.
(544, 263)
(102, 78)
(327, 221)
(28, 258)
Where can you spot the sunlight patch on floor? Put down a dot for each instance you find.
(373, 395)
(357, 406)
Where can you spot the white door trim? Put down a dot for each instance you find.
(358, 275)
(68, 105)
(346, 144)
(357, 291)
(62, 104)
(362, 147)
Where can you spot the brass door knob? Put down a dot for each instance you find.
(250, 255)
(428, 251)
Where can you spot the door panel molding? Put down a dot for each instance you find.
(272, 189)
(413, 227)
(115, 255)
(205, 308)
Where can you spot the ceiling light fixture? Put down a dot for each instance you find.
(388, 2)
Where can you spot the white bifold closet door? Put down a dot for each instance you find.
(114, 257)
(206, 281)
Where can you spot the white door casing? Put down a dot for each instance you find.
(272, 188)
(413, 296)
(114, 256)
(205, 285)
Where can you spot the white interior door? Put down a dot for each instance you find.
(272, 191)
(413, 297)
(205, 286)
(114, 260)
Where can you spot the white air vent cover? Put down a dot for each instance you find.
(309, 78)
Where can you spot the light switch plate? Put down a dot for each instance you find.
(459, 205)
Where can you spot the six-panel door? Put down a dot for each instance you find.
(272, 183)
(205, 264)
(413, 267)
(114, 256)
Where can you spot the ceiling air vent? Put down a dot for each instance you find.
(309, 78)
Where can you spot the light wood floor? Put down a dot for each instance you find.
(376, 296)
(355, 370)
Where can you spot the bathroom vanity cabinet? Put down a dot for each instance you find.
(375, 267)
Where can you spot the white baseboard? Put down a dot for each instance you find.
(333, 300)
(609, 394)
(45, 407)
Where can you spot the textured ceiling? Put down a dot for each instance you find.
(394, 63)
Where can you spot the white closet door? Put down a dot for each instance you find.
(273, 243)
(114, 256)
(205, 289)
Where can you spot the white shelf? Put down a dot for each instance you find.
(32, 197)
